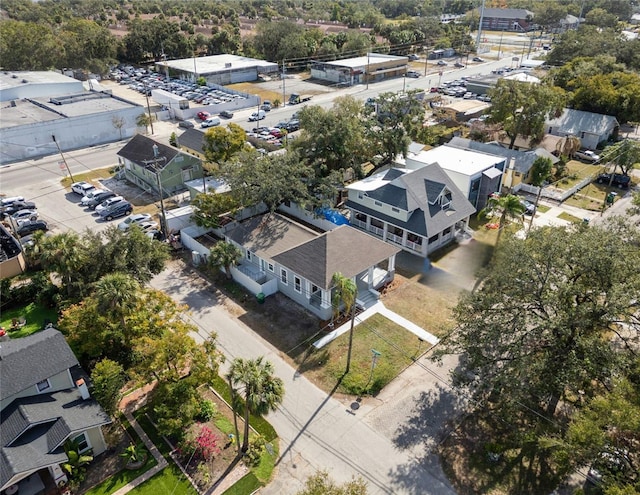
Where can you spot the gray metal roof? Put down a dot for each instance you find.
(30, 360)
(493, 13)
(576, 121)
(344, 249)
(421, 188)
(32, 429)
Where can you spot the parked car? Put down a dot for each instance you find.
(108, 203)
(442, 63)
(413, 57)
(25, 215)
(459, 64)
(293, 125)
(100, 198)
(266, 106)
(30, 227)
(478, 59)
(203, 115)
(186, 124)
(119, 209)
(211, 122)
(90, 195)
(134, 219)
(413, 73)
(148, 226)
(587, 156)
(4, 202)
(11, 208)
(529, 207)
(226, 114)
(82, 188)
(618, 180)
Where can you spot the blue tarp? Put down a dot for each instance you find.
(333, 216)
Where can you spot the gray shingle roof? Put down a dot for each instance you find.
(493, 13)
(33, 428)
(192, 139)
(140, 151)
(30, 360)
(419, 187)
(344, 249)
(268, 236)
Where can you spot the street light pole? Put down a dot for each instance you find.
(353, 320)
(156, 157)
(63, 158)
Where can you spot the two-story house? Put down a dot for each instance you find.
(152, 166)
(418, 211)
(44, 401)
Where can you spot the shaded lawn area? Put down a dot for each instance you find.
(35, 316)
(169, 480)
(121, 478)
(398, 348)
(576, 171)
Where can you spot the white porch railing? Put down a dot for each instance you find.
(414, 246)
(394, 238)
(359, 223)
(376, 230)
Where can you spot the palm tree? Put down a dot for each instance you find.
(261, 390)
(345, 291)
(226, 255)
(540, 172)
(117, 293)
(568, 145)
(64, 255)
(509, 208)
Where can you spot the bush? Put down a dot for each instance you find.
(255, 451)
(207, 412)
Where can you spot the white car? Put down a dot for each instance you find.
(210, 122)
(89, 196)
(137, 218)
(82, 188)
(108, 203)
(25, 215)
(148, 226)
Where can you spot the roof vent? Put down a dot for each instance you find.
(14, 76)
(13, 103)
(24, 81)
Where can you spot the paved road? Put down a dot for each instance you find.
(387, 441)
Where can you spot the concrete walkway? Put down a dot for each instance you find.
(380, 308)
(162, 462)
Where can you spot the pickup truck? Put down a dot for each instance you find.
(587, 156)
(295, 98)
(618, 180)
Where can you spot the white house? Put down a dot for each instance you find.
(279, 254)
(474, 173)
(591, 128)
(417, 210)
(44, 402)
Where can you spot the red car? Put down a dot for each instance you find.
(203, 115)
(277, 133)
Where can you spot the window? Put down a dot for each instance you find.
(297, 284)
(283, 276)
(43, 385)
(433, 239)
(394, 209)
(377, 203)
(270, 266)
(82, 442)
(446, 231)
(360, 195)
(248, 255)
(582, 135)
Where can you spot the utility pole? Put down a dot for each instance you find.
(284, 78)
(63, 158)
(426, 60)
(366, 72)
(353, 320)
(478, 38)
(146, 95)
(156, 157)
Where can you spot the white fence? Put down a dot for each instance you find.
(308, 217)
(555, 193)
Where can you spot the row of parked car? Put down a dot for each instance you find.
(21, 216)
(145, 81)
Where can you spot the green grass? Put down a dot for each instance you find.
(35, 316)
(169, 480)
(267, 464)
(152, 433)
(543, 208)
(569, 218)
(91, 176)
(245, 485)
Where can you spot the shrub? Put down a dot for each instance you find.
(208, 411)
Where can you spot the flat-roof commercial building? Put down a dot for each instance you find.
(217, 69)
(78, 120)
(15, 85)
(372, 67)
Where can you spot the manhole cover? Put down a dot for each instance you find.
(355, 406)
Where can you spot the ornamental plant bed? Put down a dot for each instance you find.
(207, 450)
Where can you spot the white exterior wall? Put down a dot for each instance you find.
(96, 440)
(34, 140)
(41, 89)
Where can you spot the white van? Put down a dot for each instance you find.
(211, 122)
(259, 115)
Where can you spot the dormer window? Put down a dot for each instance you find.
(445, 199)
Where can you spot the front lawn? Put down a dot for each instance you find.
(397, 347)
(35, 316)
(120, 479)
(169, 480)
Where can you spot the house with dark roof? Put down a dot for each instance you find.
(44, 402)
(519, 163)
(418, 211)
(591, 128)
(506, 19)
(281, 255)
(153, 166)
(192, 141)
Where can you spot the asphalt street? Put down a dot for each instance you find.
(387, 441)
